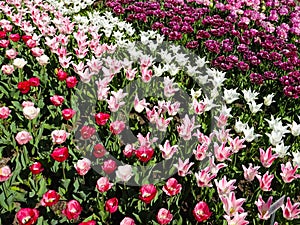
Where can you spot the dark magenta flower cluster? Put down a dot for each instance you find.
(257, 39)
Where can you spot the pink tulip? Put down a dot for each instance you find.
(267, 158)
(103, 184)
(288, 172)
(204, 177)
(183, 167)
(290, 211)
(263, 207)
(251, 172)
(164, 216)
(83, 166)
(223, 187)
(5, 173)
(127, 221)
(23, 137)
(117, 127)
(4, 112)
(265, 181)
(232, 205)
(201, 212)
(238, 219)
(59, 136)
(168, 150)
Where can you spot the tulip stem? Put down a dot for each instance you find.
(63, 170)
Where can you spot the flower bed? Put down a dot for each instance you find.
(106, 122)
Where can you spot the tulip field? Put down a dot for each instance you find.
(137, 112)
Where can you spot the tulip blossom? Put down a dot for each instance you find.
(57, 100)
(139, 105)
(250, 172)
(103, 184)
(60, 154)
(23, 137)
(223, 187)
(204, 177)
(263, 207)
(265, 181)
(236, 144)
(214, 168)
(111, 205)
(87, 132)
(59, 136)
(237, 219)
(127, 221)
(168, 150)
(117, 127)
(201, 212)
(101, 118)
(288, 172)
(172, 187)
(291, 212)
(164, 216)
(183, 167)
(200, 152)
(4, 112)
(109, 166)
(36, 168)
(50, 198)
(144, 154)
(221, 152)
(99, 151)
(67, 114)
(83, 166)
(5, 173)
(186, 128)
(124, 173)
(232, 205)
(72, 210)
(30, 112)
(27, 216)
(147, 193)
(266, 157)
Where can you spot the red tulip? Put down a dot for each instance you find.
(34, 81)
(144, 154)
(71, 82)
(147, 193)
(67, 114)
(101, 118)
(25, 38)
(111, 205)
(72, 210)
(61, 75)
(50, 198)
(36, 168)
(24, 87)
(99, 151)
(60, 154)
(14, 37)
(27, 216)
(87, 132)
(91, 222)
(201, 211)
(2, 34)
